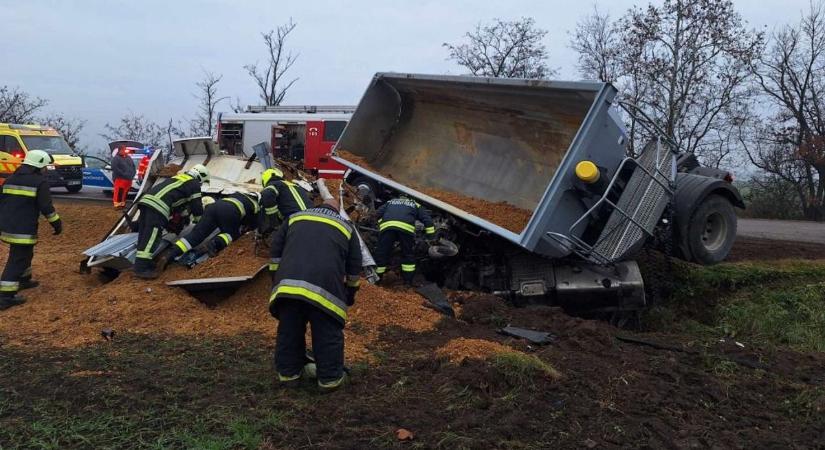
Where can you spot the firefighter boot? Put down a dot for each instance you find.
(165, 256)
(145, 269)
(408, 277)
(28, 283)
(8, 300)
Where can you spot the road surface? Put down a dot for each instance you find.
(782, 230)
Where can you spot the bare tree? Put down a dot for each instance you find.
(686, 64)
(789, 144)
(70, 128)
(208, 99)
(598, 42)
(17, 106)
(503, 49)
(137, 127)
(269, 78)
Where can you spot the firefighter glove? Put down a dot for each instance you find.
(351, 295)
(58, 226)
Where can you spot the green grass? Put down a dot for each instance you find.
(767, 303)
(521, 369)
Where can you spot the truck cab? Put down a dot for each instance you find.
(303, 134)
(18, 139)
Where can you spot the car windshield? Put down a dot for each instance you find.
(54, 145)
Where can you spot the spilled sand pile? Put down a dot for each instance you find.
(70, 309)
(503, 214)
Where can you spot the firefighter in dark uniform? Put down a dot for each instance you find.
(316, 261)
(231, 216)
(23, 196)
(396, 223)
(171, 196)
(280, 199)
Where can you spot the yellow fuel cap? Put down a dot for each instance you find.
(587, 171)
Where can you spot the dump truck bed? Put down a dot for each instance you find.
(443, 139)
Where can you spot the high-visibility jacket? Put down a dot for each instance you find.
(23, 197)
(281, 199)
(175, 195)
(245, 206)
(401, 214)
(316, 256)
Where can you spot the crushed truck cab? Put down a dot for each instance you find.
(118, 248)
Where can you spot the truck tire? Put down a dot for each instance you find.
(712, 230)
(74, 189)
(368, 183)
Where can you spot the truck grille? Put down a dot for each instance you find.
(70, 172)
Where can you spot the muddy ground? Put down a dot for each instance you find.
(180, 374)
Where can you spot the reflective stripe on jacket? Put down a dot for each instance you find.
(23, 197)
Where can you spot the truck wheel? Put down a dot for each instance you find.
(712, 230)
(365, 182)
(74, 189)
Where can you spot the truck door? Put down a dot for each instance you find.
(320, 137)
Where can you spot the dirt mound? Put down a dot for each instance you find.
(457, 350)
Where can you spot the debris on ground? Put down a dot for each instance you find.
(402, 434)
(132, 305)
(436, 299)
(535, 337)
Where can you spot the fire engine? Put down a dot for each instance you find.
(304, 134)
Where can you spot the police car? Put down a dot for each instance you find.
(97, 172)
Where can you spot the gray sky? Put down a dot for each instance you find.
(96, 59)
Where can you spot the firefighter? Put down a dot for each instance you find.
(24, 195)
(316, 261)
(175, 195)
(123, 171)
(280, 199)
(231, 216)
(396, 223)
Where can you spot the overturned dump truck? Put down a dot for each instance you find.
(532, 185)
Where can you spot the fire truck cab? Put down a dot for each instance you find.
(303, 134)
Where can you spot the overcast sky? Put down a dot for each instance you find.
(96, 59)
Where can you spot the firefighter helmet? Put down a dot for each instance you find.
(200, 172)
(269, 174)
(37, 158)
(207, 200)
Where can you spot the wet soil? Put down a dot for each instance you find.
(757, 249)
(415, 369)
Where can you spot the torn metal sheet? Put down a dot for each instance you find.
(436, 299)
(535, 337)
(209, 284)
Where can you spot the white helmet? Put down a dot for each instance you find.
(207, 200)
(200, 172)
(37, 158)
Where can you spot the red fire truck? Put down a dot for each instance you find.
(299, 133)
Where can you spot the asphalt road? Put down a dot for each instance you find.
(782, 230)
